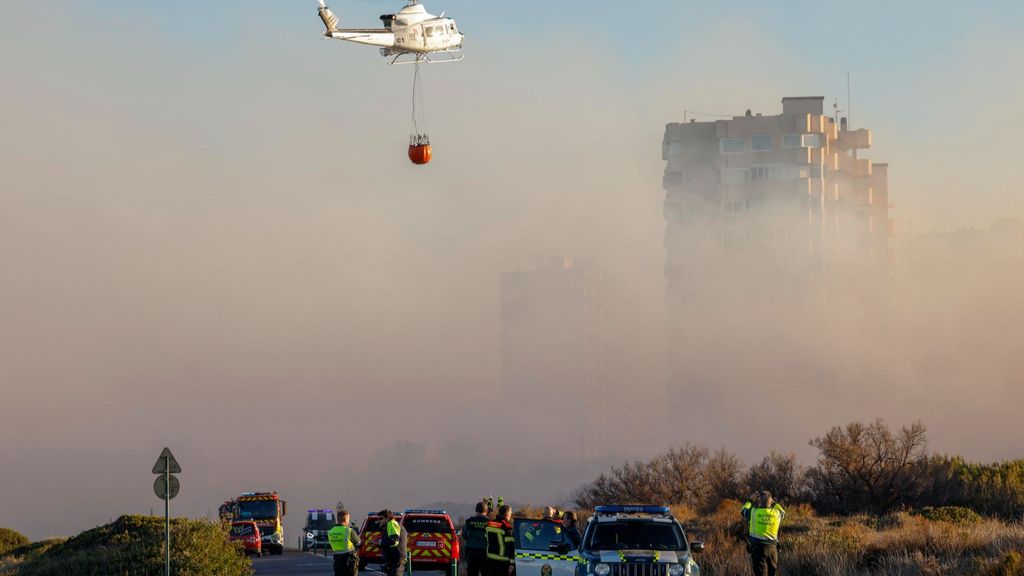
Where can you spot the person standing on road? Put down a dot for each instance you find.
(501, 552)
(764, 517)
(394, 543)
(572, 531)
(345, 544)
(475, 534)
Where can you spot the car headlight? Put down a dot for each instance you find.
(677, 569)
(602, 569)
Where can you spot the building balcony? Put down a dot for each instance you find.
(851, 167)
(765, 157)
(853, 139)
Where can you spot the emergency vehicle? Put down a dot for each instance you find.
(369, 549)
(318, 523)
(267, 510)
(248, 534)
(617, 541)
(433, 541)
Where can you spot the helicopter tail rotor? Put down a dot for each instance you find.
(328, 17)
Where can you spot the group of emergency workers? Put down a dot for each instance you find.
(489, 547)
(344, 540)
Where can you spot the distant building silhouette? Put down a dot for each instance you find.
(562, 358)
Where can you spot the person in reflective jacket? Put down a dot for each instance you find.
(764, 517)
(501, 552)
(394, 542)
(344, 542)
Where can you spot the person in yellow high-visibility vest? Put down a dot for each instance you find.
(394, 543)
(764, 517)
(344, 543)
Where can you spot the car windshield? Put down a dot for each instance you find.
(372, 525)
(636, 535)
(431, 525)
(321, 522)
(242, 529)
(260, 509)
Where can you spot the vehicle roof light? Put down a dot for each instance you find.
(618, 509)
(413, 511)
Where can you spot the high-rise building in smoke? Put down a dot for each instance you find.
(767, 218)
(562, 358)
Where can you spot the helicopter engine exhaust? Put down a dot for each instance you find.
(328, 17)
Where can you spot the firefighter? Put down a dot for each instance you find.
(345, 544)
(475, 535)
(550, 513)
(764, 516)
(394, 543)
(501, 551)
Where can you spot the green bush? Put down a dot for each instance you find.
(952, 514)
(134, 545)
(9, 540)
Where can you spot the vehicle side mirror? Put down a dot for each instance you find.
(560, 547)
(696, 547)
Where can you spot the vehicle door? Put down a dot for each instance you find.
(542, 549)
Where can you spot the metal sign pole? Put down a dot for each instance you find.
(167, 517)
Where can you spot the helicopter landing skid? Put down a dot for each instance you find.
(428, 58)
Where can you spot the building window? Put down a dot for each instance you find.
(792, 141)
(733, 176)
(731, 145)
(761, 142)
(759, 172)
(735, 207)
(812, 140)
(815, 170)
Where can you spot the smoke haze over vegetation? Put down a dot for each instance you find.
(210, 239)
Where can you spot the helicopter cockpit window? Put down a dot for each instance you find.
(430, 30)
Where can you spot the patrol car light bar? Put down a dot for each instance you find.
(411, 511)
(632, 510)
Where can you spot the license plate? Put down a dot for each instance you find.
(426, 544)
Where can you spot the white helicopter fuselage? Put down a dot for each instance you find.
(411, 30)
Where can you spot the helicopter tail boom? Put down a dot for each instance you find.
(328, 17)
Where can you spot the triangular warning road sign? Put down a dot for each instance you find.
(166, 459)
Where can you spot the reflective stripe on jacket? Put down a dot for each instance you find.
(500, 543)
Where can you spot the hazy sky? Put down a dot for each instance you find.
(211, 238)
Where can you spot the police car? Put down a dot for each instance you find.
(618, 541)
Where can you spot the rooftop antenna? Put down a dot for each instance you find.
(849, 105)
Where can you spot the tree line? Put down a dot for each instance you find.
(860, 468)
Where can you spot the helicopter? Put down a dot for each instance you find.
(411, 36)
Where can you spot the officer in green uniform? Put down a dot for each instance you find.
(344, 543)
(474, 533)
(764, 516)
(394, 543)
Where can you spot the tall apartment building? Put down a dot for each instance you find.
(561, 363)
(766, 217)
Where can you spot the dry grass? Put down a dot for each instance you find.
(894, 545)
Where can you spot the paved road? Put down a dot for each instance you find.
(295, 563)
